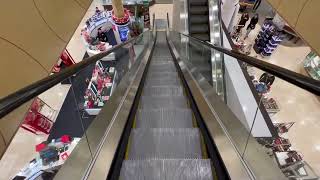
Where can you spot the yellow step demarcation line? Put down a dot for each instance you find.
(126, 157)
(203, 145)
(194, 124)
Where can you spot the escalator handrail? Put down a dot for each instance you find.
(299, 80)
(21, 96)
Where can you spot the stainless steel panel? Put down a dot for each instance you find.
(212, 109)
(108, 146)
(107, 125)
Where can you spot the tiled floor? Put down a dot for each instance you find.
(15, 158)
(296, 105)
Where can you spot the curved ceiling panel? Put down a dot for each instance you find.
(17, 69)
(275, 3)
(291, 9)
(23, 26)
(61, 16)
(301, 15)
(84, 3)
(308, 24)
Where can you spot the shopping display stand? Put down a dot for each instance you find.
(271, 105)
(100, 20)
(99, 89)
(268, 39)
(51, 155)
(39, 117)
(290, 161)
(283, 127)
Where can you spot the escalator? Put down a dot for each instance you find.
(165, 142)
(164, 120)
(199, 19)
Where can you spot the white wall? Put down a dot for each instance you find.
(240, 98)
(160, 11)
(229, 10)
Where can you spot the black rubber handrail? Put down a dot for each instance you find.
(299, 80)
(14, 100)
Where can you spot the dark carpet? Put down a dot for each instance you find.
(72, 119)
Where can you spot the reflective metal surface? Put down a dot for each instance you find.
(113, 116)
(212, 109)
(108, 146)
(216, 56)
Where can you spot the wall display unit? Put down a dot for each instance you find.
(268, 39)
(312, 65)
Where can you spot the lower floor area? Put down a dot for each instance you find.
(297, 108)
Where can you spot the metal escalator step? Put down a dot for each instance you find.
(148, 102)
(199, 19)
(164, 118)
(163, 82)
(169, 169)
(163, 58)
(160, 75)
(199, 28)
(203, 36)
(163, 91)
(162, 67)
(161, 63)
(199, 10)
(165, 143)
(198, 2)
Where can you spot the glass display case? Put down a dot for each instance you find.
(312, 65)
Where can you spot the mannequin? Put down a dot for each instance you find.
(243, 20)
(253, 22)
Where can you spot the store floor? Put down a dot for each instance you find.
(22, 147)
(296, 105)
(69, 119)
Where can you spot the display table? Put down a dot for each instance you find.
(271, 106)
(99, 89)
(36, 167)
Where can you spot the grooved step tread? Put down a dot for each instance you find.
(204, 36)
(164, 118)
(163, 90)
(165, 143)
(163, 102)
(199, 10)
(199, 28)
(168, 169)
(199, 19)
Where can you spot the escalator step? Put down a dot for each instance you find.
(168, 62)
(204, 37)
(160, 75)
(199, 10)
(164, 118)
(163, 91)
(199, 28)
(163, 82)
(168, 67)
(164, 78)
(163, 143)
(198, 2)
(148, 102)
(170, 169)
(199, 19)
